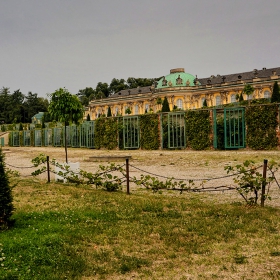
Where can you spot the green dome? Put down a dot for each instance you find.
(176, 78)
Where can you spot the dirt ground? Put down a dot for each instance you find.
(180, 164)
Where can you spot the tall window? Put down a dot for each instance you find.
(202, 101)
(179, 104)
(266, 94)
(136, 110)
(116, 110)
(233, 98)
(218, 100)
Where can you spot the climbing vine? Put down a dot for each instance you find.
(261, 124)
(149, 132)
(198, 129)
(106, 133)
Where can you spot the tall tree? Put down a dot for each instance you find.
(5, 99)
(117, 85)
(67, 108)
(86, 95)
(275, 97)
(102, 90)
(165, 105)
(15, 104)
(139, 82)
(33, 105)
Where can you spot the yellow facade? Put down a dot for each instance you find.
(186, 92)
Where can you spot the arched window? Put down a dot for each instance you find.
(266, 94)
(233, 98)
(136, 110)
(116, 111)
(179, 104)
(250, 97)
(146, 108)
(218, 100)
(202, 101)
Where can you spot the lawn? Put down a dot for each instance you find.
(64, 231)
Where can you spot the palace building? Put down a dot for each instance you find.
(186, 91)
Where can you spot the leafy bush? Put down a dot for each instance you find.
(106, 133)
(250, 180)
(6, 199)
(261, 124)
(149, 132)
(198, 129)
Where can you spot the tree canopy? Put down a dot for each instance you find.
(65, 107)
(103, 90)
(17, 107)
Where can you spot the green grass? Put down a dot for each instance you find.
(69, 232)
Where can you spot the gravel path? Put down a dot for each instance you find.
(181, 164)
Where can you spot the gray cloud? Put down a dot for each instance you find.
(74, 44)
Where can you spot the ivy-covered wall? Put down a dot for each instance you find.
(261, 123)
(106, 133)
(198, 129)
(149, 131)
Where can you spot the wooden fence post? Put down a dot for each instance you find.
(48, 168)
(264, 183)
(127, 175)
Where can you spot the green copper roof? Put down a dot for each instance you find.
(176, 78)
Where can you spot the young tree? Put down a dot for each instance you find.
(275, 97)
(65, 107)
(109, 113)
(6, 199)
(165, 105)
(248, 90)
(205, 103)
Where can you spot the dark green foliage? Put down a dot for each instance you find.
(198, 129)
(220, 132)
(109, 113)
(67, 108)
(149, 131)
(241, 97)
(17, 107)
(6, 199)
(165, 105)
(275, 97)
(139, 82)
(128, 111)
(106, 133)
(261, 127)
(248, 90)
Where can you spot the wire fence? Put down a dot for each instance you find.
(125, 177)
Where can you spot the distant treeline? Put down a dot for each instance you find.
(19, 108)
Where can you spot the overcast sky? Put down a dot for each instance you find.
(48, 44)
